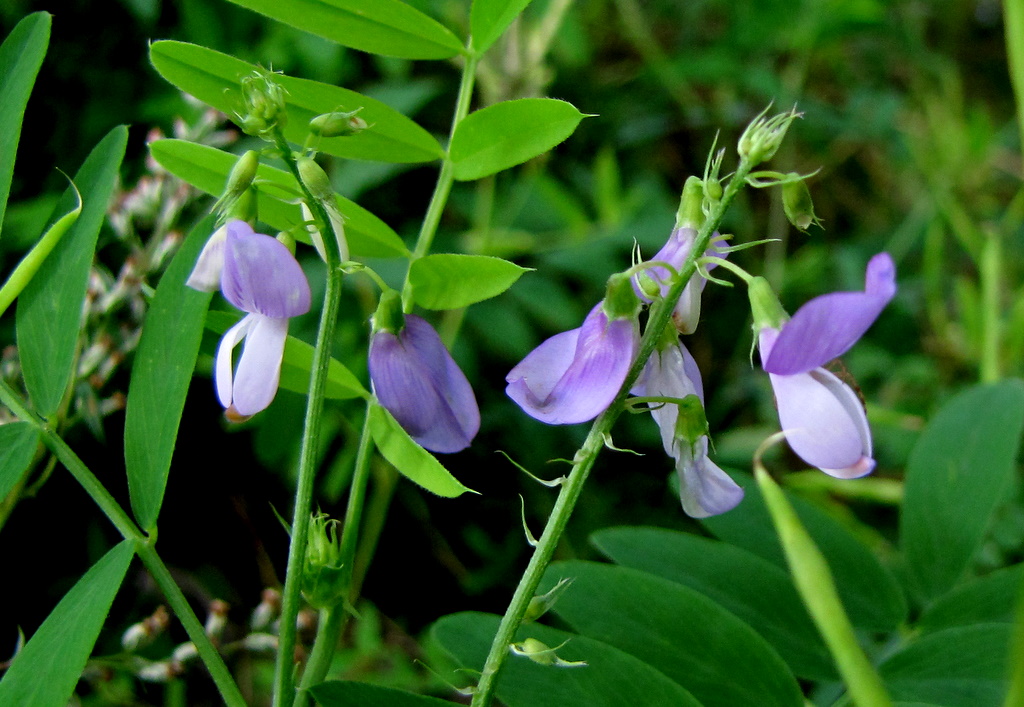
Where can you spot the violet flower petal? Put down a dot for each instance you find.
(418, 382)
(260, 275)
(827, 326)
(704, 489)
(555, 389)
(206, 274)
(259, 367)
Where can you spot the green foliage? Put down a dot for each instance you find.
(410, 459)
(45, 671)
(214, 78)
(337, 693)
(21, 55)
(207, 168)
(488, 19)
(160, 378)
(611, 678)
(960, 469)
(509, 133)
(50, 307)
(18, 444)
(387, 27)
(453, 280)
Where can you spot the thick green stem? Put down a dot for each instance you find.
(990, 272)
(143, 545)
(1013, 21)
(583, 462)
(332, 622)
(284, 686)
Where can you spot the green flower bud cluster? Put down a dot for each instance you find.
(263, 104)
(323, 580)
(762, 138)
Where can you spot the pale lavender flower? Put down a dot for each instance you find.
(821, 416)
(574, 376)
(417, 381)
(704, 489)
(676, 250)
(261, 277)
(205, 276)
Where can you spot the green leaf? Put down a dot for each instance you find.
(752, 588)
(50, 307)
(207, 169)
(338, 693)
(489, 18)
(869, 591)
(451, 281)
(411, 460)
(386, 27)
(45, 671)
(611, 678)
(677, 630)
(29, 265)
(958, 473)
(21, 55)
(958, 667)
(509, 133)
(297, 364)
(214, 78)
(163, 367)
(991, 599)
(18, 443)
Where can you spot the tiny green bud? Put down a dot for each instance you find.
(691, 212)
(762, 138)
(315, 179)
(243, 208)
(620, 300)
(797, 203)
(263, 104)
(542, 603)
(337, 124)
(764, 305)
(542, 655)
(319, 185)
(242, 174)
(323, 580)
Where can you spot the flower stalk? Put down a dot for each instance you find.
(660, 318)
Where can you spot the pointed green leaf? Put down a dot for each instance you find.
(959, 469)
(160, 378)
(18, 443)
(489, 18)
(50, 307)
(451, 281)
(214, 78)
(411, 460)
(509, 133)
(207, 169)
(679, 631)
(869, 591)
(750, 587)
(991, 599)
(386, 27)
(297, 364)
(342, 693)
(611, 678)
(45, 671)
(29, 265)
(958, 667)
(21, 55)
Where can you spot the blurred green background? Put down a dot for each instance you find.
(908, 114)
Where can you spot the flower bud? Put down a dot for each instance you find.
(319, 185)
(620, 300)
(337, 124)
(242, 174)
(263, 104)
(764, 305)
(268, 609)
(142, 633)
(796, 202)
(691, 202)
(542, 655)
(542, 603)
(323, 580)
(217, 619)
(762, 138)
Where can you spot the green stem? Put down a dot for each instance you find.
(1013, 21)
(332, 623)
(990, 274)
(284, 685)
(583, 461)
(143, 545)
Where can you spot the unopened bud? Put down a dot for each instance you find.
(162, 671)
(797, 203)
(539, 653)
(323, 581)
(691, 212)
(185, 652)
(217, 619)
(260, 643)
(337, 124)
(267, 610)
(319, 185)
(263, 107)
(242, 174)
(764, 305)
(542, 603)
(142, 633)
(762, 138)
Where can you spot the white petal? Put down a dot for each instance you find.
(222, 377)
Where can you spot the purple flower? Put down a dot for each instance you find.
(419, 383)
(676, 250)
(821, 416)
(261, 277)
(573, 376)
(704, 489)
